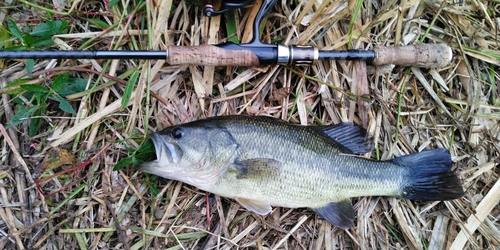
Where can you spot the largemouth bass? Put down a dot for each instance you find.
(263, 162)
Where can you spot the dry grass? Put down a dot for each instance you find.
(94, 207)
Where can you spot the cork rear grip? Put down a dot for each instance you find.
(420, 55)
(210, 55)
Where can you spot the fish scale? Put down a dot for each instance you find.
(263, 162)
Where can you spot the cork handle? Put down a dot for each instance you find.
(209, 55)
(421, 55)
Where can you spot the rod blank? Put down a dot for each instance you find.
(83, 54)
(364, 55)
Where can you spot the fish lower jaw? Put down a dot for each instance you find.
(201, 183)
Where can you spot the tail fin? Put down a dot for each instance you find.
(429, 176)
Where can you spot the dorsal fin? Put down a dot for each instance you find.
(349, 137)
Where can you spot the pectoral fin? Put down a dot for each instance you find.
(256, 206)
(258, 168)
(339, 214)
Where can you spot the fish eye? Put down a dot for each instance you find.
(177, 133)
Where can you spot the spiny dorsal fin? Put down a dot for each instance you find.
(349, 137)
(339, 214)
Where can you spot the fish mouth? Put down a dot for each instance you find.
(166, 151)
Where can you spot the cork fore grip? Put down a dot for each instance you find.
(419, 55)
(210, 55)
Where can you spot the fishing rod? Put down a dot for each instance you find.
(255, 53)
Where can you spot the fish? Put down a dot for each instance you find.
(263, 162)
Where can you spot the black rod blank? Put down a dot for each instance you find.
(83, 54)
(364, 55)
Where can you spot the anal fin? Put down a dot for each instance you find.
(340, 214)
(256, 206)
